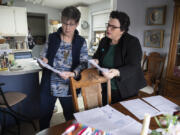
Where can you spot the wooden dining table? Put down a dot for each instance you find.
(60, 128)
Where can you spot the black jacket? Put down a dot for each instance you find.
(127, 60)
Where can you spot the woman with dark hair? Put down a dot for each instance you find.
(66, 51)
(121, 53)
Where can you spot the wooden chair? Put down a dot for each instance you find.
(7, 100)
(90, 84)
(152, 67)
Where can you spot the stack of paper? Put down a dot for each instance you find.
(109, 120)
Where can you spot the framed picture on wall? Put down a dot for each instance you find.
(154, 38)
(156, 15)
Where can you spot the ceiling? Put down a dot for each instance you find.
(60, 4)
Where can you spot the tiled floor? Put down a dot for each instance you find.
(57, 118)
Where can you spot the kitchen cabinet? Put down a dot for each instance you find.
(83, 26)
(172, 85)
(100, 19)
(13, 21)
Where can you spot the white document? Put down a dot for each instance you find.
(105, 118)
(162, 104)
(134, 128)
(139, 108)
(97, 66)
(48, 66)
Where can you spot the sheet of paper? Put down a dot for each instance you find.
(48, 66)
(131, 129)
(162, 104)
(139, 108)
(96, 119)
(116, 117)
(97, 66)
(106, 118)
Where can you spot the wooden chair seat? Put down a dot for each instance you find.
(12, 98)
(148, 89)
(7, 100)
(90, 84)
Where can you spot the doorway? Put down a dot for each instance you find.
(37, 26)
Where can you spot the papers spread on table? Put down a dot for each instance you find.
(48, 66)
(109, 120)
(97, 66)
(139, 108)
(162, 104)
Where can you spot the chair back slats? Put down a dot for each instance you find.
(153, 66)
(90, 84)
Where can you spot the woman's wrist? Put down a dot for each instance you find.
(75, 74)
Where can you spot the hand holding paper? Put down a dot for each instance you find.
(97, 66)
(42, 63)
(111, 73)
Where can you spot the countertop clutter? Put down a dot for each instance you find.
(22, 66)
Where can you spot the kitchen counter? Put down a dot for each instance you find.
(24, 77)
(22, 66)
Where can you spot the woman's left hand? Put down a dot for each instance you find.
(111, 73)
(65, 75)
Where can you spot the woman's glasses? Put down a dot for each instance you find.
(70, 24)
(111, 26)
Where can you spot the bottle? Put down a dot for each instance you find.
(11, 59)
(24, 45)
(6, 61)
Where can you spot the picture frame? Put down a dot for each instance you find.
(154, 38)
(156, 15)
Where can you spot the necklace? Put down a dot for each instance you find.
(66, 52)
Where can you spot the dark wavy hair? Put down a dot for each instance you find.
(123, 19)
(71, 12)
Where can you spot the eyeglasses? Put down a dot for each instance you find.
(111, 26)
(71, 24)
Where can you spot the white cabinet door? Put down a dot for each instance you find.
(13, 21)
(100, 19)
(20, 16)
(7, 24)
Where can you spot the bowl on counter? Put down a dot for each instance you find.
(2, 41)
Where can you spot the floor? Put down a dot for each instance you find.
(57, 118)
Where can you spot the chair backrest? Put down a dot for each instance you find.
(154, 65)
(90, 84)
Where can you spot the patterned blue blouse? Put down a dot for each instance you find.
(63, 62)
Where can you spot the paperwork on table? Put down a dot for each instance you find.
(109, 120)
(139, 108)
(162, 104)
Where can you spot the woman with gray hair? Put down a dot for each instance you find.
(66, 51)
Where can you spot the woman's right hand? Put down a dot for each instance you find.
(45, 60)
(96, 61)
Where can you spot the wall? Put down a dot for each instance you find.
(136, 9)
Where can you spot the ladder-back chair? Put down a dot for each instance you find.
(90, 84)
(152, 67)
